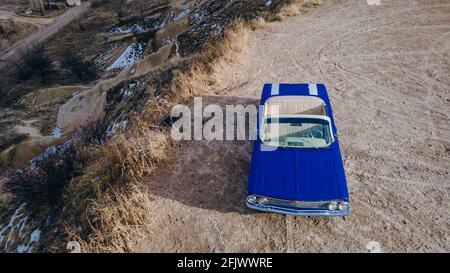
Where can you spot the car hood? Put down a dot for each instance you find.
(298, 174)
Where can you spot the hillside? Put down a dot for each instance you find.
(106, 80)
(114, 180)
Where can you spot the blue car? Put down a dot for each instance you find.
(296, 166)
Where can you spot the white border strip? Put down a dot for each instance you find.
(313, 89)
(275, 90)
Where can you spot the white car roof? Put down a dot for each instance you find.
(294, 105)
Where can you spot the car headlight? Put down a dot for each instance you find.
(342, 205)
(262, 200)
(252, 199)
(332, 206)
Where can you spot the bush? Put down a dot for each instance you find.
(8, 28)
(121, 9)
(84, 70)
(98, 3)
(42, 182)
(35, 62)
(12, 28)
(92, 131)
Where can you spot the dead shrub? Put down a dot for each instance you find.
(138, 154)
(290, 10)
(295, 7)
(155, 109)
(42, 182)
(125, 158)
(107, 198)
(35, 61)
(205, 70)
(92, 131)
(116, 220)
(8, 29)
(258, 23)
(83, 70)
(98, 3)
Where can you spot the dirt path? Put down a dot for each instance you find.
(35, 21)
(387, 69)
(43, 33)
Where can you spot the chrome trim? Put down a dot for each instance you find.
(251, 202)
(299, 208)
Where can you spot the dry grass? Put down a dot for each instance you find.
(108, 201)
(11, 31)
(258, 23)
(108, 198)
(120, 219)
(295, 8)
(207, 68)
(288, 11)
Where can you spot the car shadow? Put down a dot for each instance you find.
(208, 174)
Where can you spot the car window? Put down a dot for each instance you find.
(296, 132)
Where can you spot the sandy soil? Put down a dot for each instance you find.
(387, 70)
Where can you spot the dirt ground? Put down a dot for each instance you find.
(23, 25)
(46, 28)
(386, 68)
(8, 13)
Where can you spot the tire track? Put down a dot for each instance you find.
(397, 174)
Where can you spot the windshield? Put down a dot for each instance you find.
(296, 132)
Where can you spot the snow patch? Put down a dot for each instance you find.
(177, 49)
(167, 40)
(16, 223)
(56, 132)
(104, 57)
(129, 89)
(112, 129)
(182, 14)
(162, 25)
(268, 3)
(51, 151)
(134, 28)
(34, 239)
(198, 16)
(22, 249)
(130, 55)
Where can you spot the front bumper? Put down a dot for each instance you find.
(299, 211)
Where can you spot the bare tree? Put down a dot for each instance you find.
(35, 62)
(84, 70)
